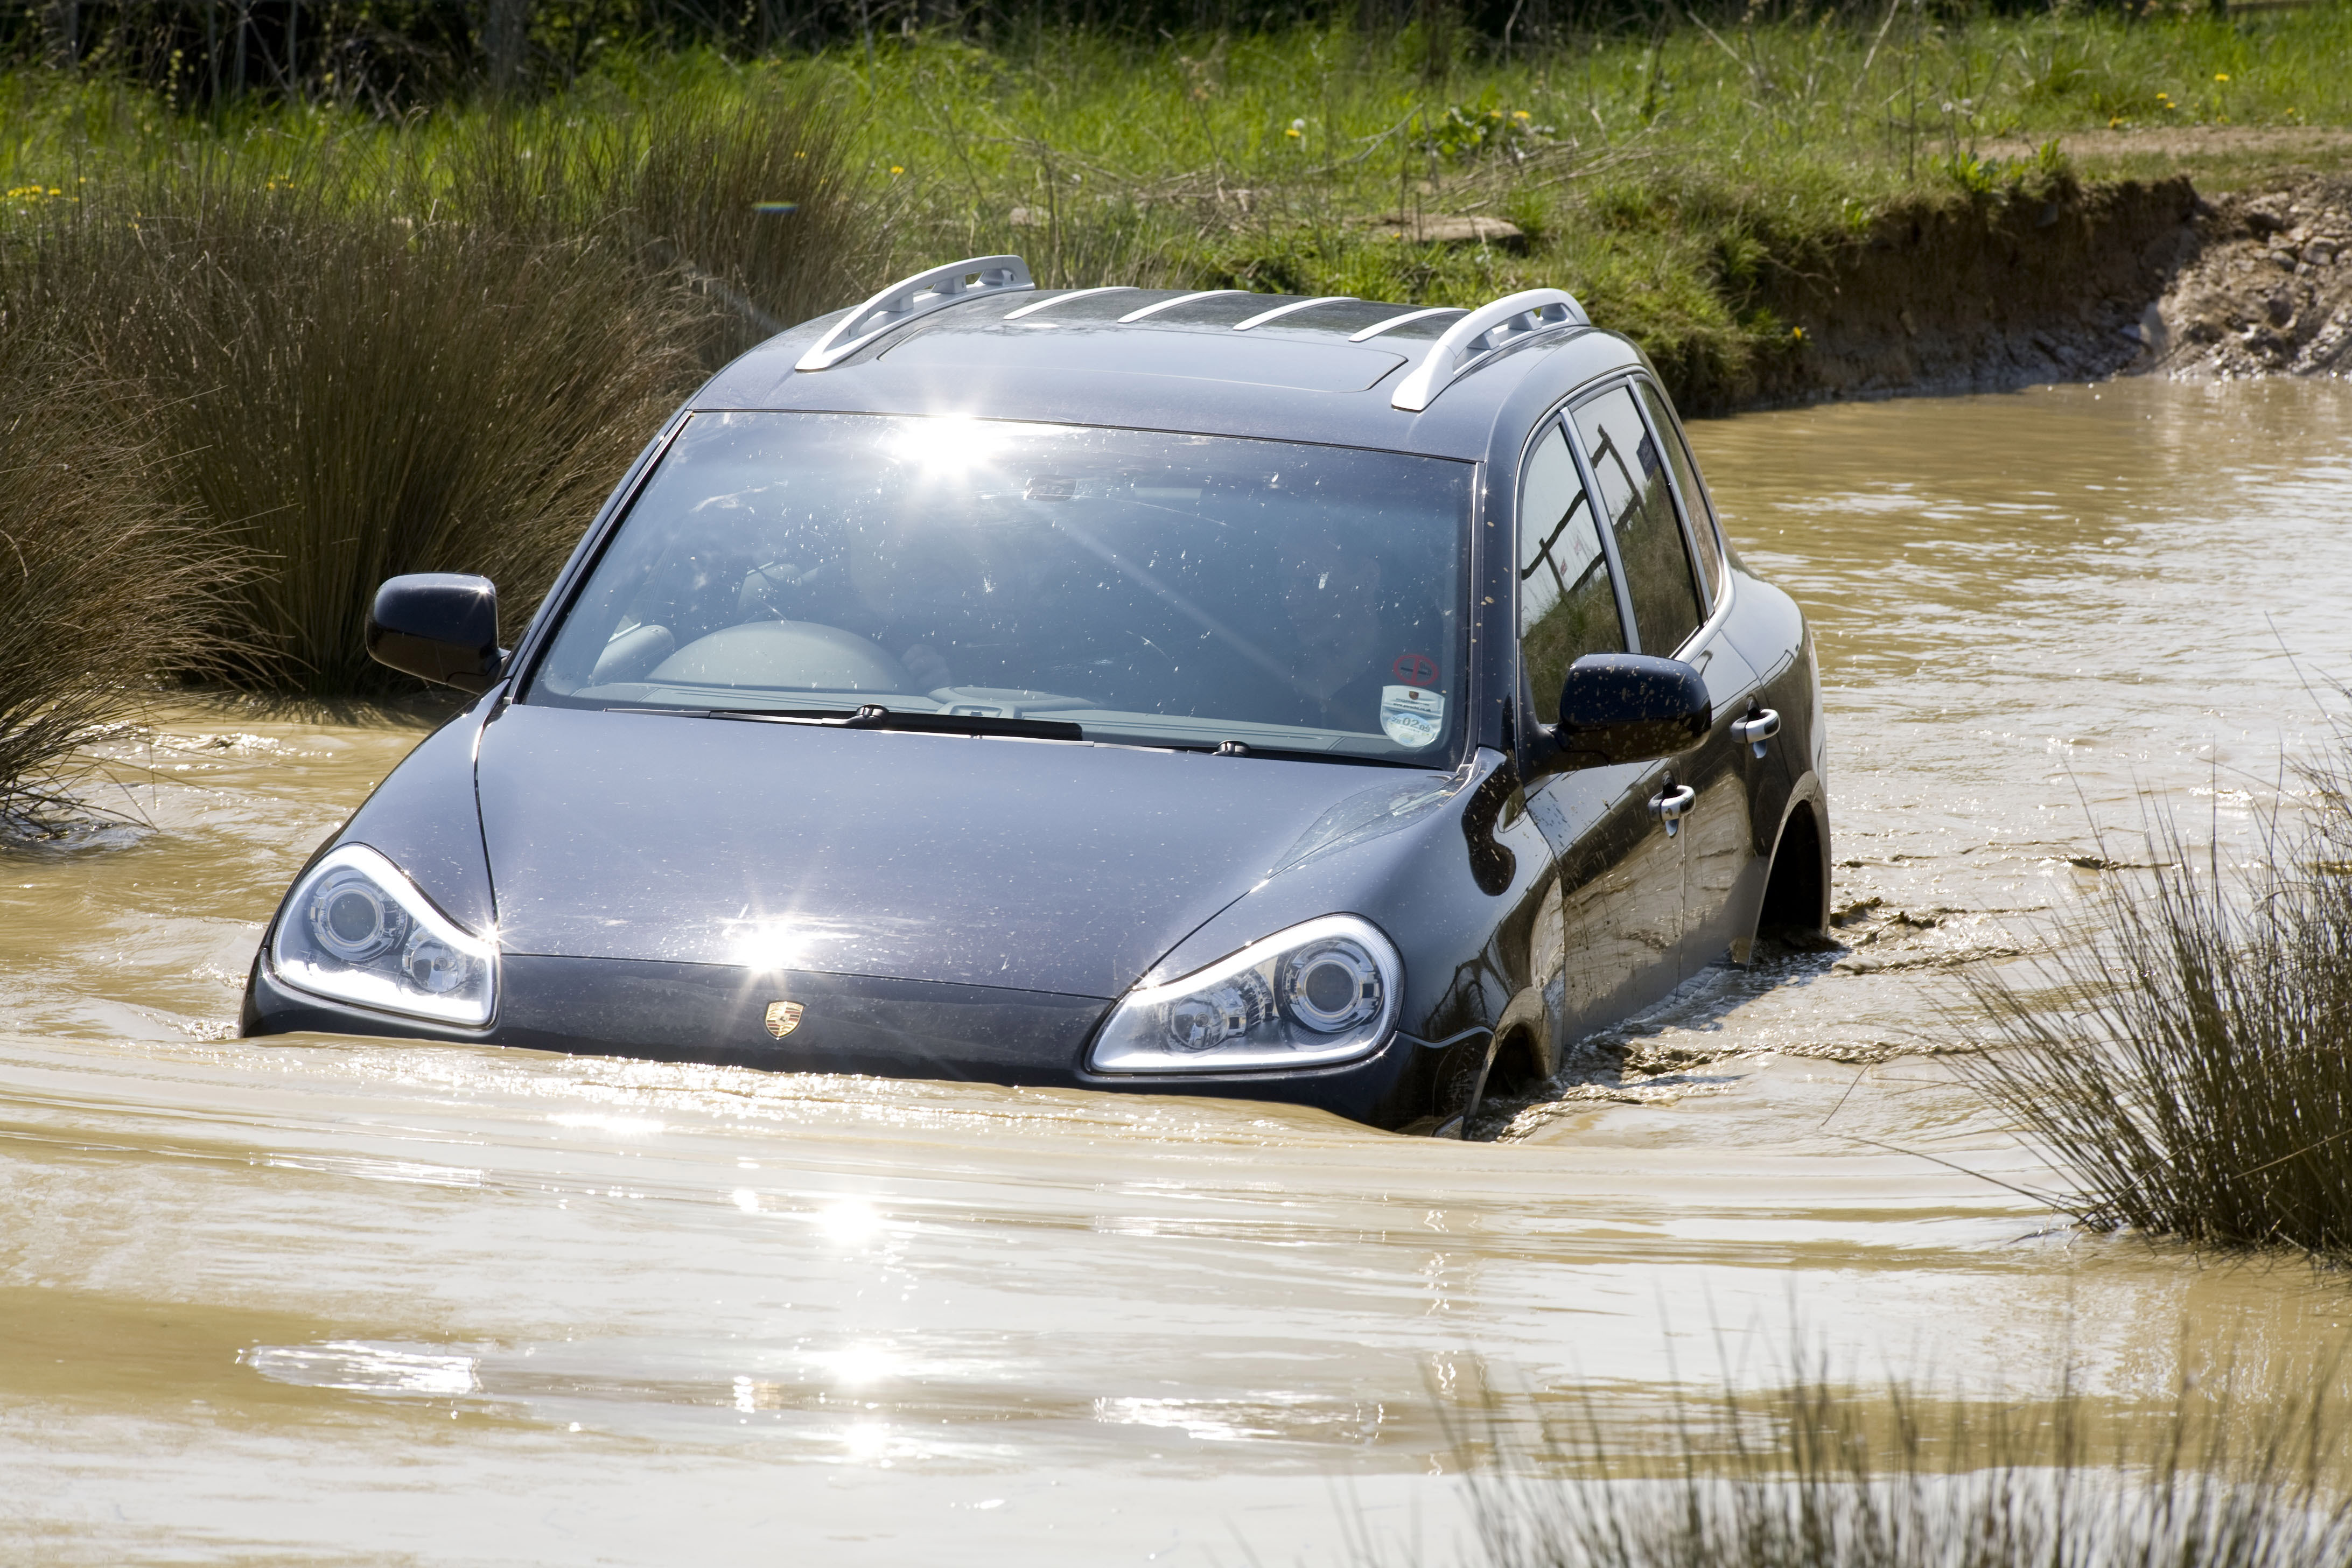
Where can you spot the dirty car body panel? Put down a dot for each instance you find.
(1165, 707)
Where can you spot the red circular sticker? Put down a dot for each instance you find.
(1415, 669)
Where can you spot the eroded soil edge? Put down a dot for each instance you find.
(2123, 278)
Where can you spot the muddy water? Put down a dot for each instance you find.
(327, 1300)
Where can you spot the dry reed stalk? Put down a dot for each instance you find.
(1814, 1476)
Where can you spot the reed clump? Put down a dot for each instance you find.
(102, 584)
(2191, 1067)
(1809, 1476)
(417, 352)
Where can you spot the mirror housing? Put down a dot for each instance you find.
(1627, 708)
(442, 625)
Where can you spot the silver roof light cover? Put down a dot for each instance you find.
(1479, 333)
(1050, 300)
(1377, 328)
(1159, 305)
(915, 297)
(1263, 316)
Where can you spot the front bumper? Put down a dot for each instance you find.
(848, 1023)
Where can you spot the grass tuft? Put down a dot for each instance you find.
(2192, 1068)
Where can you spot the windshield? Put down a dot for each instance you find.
(1151, 589)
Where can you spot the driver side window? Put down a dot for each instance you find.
(1568, 605)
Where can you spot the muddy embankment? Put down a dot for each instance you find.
(2111, 279)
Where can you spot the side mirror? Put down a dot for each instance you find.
(1629, 707)
(443, 625)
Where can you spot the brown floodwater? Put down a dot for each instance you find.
(314, 1300)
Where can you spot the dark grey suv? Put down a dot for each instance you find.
(1207, 692)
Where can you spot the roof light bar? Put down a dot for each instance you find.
(1280, 310)
(1053, 300)
(909, 297)
(1159, 305)
(1481, 333)
(1377, 328)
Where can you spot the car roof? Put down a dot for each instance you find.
(1220, 362)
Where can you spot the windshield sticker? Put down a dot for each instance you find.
(1412, 715)
(1414, 669)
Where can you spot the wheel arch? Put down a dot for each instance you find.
(1797, 878)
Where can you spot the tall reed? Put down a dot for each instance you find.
(101, 584)
(2191, 1069)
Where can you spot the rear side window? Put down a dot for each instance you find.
(1695, 505)
(1568, 606)
(1632, 475)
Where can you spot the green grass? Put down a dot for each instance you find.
(1660, 177)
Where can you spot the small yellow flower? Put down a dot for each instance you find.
(897, 168)
(2221, 76)
(1292, 130)
(1797, 334)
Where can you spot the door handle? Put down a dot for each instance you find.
(1756, 729)
(1672, 803)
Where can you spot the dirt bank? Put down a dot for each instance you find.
(2090, 281)
(2269, 290)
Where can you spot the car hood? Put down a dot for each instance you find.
(1034, 865)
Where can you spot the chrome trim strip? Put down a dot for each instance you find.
(1264, 316)
(1156, 306)
(1377, 328)
(1064, 299)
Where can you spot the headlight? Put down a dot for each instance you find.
(358, 930)
(1319, 993)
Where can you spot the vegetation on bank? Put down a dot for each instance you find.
(334, 341)
(2190, 1066)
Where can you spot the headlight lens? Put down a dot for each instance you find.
(358, 930)
(1319, 993)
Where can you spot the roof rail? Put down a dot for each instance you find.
(1483, 330)
(911, 297)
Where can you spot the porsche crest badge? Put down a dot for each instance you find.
(783, 1018)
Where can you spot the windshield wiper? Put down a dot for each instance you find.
(1272, 754)
(872, 716)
